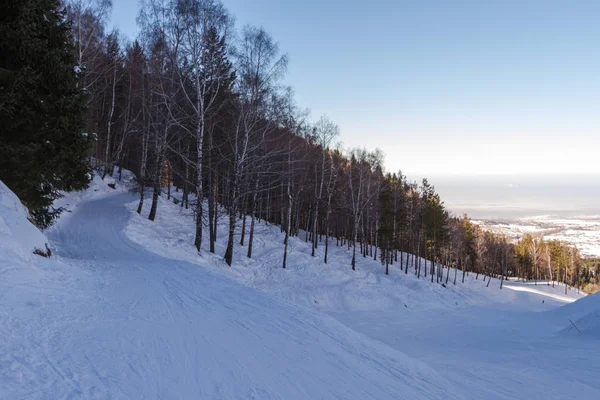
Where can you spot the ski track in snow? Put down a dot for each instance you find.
(107, 319)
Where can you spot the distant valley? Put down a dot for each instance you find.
(580, 231)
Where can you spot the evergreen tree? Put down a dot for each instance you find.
(42, 149)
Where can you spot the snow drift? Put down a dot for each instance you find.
(581, 317)
(18, 236)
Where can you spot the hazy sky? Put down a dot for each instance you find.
(443, 87)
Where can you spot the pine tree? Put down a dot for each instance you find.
(42, 149)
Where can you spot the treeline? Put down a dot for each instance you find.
(192, 102)
(529, 258)
(196, 103)
(549, 260)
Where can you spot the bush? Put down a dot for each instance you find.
(591, 288)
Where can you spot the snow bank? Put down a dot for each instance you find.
(581, 317)
(18, 236)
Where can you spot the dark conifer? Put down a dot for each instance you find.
(42, 148)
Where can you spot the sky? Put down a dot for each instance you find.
(443, 87)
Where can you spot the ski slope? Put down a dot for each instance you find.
(126, 309)
(495, 344)
(108, 319)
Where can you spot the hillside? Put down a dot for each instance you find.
(329, 287)
(178, 222)
(104, 318)
(125, 308)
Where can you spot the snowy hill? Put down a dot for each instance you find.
(127, 309)
(583, 317)
(329, 287)
(18, 236)
(475, 336)
(107, 319)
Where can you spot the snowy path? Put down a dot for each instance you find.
(109, 319)
(532, 288)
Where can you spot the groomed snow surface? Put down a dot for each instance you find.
(126, 309)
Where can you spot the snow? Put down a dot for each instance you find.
(18, 236)
(542, 288)
(107, 319)
(127, 309)
(98, 188)
(583, 316)
(307, 280)
(478, 338)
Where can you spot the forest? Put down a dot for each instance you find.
(196, 105)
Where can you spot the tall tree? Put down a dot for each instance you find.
(259, 66)
(42, 146)
(200, 51)
(325, 132)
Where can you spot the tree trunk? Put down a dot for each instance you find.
(419, 255)
(107, 160)
(144, 156)
(327, 218)
(253, 218)
(314, 230)
(211, 214)
(387, 261)
(229, 250)
(456, 267)
(355, 239)
(288, 226)
(155, 194)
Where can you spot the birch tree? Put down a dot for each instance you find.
(201, 24)
(325, 132)
(259, 67)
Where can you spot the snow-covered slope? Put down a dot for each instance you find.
(328, 287)
(109, 317)
(19, 238)
(583, 317)
(479, 338)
